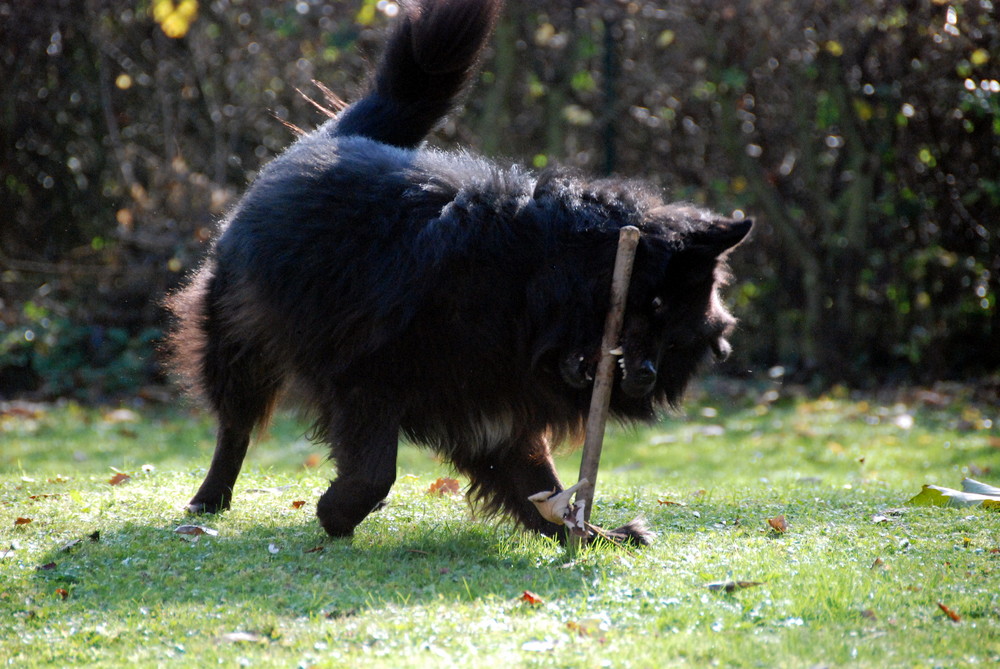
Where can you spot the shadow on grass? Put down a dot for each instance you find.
(294, 571)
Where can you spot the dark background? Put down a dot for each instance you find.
(863, 137)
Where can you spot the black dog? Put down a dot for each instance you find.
(395, 289)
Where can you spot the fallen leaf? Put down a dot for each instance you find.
(22, 521)
(869, 614)
(556, 507)
(444, 485)
(933, 495)
(62, 593)
(531, 598)
(948, 612)
(119, 478)
(879, 562)
(670, 502)
(69, 545)
(317, 549)
(314, 460)
(973, 486)
(732, 586)
(297, 504)
(778, 524)
(195, 530)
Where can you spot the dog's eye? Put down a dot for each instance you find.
(657, 302)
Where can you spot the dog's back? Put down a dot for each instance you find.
(360, 155)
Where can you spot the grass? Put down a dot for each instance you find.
(422, 584)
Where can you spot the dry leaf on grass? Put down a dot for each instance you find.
(69, 545)
(778, 524)
(973, 493)
(531, 598)
(22, 521)
(556, 508)
(948, 612)
(119, 478)
(297, 504)
(62, 593)
(195, 530)
(444, 486)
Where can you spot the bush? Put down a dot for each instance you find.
(864, 138)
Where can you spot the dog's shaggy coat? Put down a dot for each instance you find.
(399, 289)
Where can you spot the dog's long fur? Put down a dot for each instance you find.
(400, 289)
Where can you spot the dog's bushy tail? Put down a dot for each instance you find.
(427, 62)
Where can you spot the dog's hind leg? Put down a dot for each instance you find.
(364, 439)
(243, 400)
(242, 386)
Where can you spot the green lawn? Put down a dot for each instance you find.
(856, 579)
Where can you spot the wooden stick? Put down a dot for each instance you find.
(600, 400)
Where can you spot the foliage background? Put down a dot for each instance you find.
(863, 137)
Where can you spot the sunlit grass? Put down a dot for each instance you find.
(424, 584)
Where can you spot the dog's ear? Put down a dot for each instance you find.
(713, 238)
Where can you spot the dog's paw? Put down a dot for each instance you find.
(200, 507)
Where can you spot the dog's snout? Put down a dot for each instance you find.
(722, 349)
(639, 380)
(646, 373)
